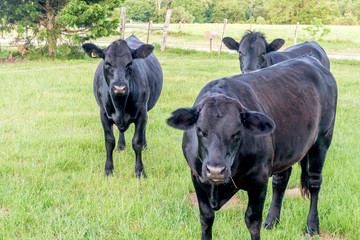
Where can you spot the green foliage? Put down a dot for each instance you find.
(347, 19)
(139, 10)
(277, 11)
(232, 10)
(179, 14)
(317, 30)
(51, 20)
(260, 20)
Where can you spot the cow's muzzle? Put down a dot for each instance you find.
(120, 90)
(216, 173)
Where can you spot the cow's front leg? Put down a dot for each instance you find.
(109, 142)
(253, 215)
(279, 183)
(207, 214)
(139, 142)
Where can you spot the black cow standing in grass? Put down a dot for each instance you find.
(256, 53)
(245, 128)
(127, 84)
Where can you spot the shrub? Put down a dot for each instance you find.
(317, 30)
(260, 20)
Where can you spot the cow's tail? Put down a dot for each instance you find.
(305, 193)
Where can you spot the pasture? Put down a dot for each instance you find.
(342, 40)
(52, 157)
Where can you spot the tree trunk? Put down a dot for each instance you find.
(51, 39)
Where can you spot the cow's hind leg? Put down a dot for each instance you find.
(109, 142)
(317, 155)
(121, 142)
(279, 183)
(138, 143)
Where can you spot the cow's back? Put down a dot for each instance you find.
(309, 48)
(153, 71)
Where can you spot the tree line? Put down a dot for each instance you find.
(75, 21)
(241, 11)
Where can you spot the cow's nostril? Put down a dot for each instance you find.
(120, 89)
(208, 170)
(215, 170)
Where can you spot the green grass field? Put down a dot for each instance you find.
(52, 158)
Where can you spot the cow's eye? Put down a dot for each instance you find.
(201, 133)
(108, 65)
(262, 55)
(235, 136)
(241, 54)
(128, 65)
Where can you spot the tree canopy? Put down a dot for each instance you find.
(52, 20)
(238, 11)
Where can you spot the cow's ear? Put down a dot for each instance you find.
(143, 51)
(231, 43)
(183, 118)
(93, 51)
(275, 45)
(257, 123)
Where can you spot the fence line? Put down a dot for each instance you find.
(123, 26)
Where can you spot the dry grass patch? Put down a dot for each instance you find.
(234, 202)
(325, 236)
(294, 192)
(4, 212)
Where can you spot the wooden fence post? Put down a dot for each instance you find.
(222, 35)
(147, 40)
(122, 22)
(167, 22)
(296, 31)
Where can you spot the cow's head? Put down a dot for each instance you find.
(252, 50)
(220, 123)
(118, 60)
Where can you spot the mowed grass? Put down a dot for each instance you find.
(52, 158)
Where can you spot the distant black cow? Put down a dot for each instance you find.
(245, 128)
(255, 52)
(127, 84)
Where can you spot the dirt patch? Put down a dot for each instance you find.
(234, 202)
(325, 236)
(4, 212)
(294, 192)
(7, 61)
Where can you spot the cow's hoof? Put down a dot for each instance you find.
(108, 173)
(270, 224)
(120, 148)
(138, 174)
(311, 232)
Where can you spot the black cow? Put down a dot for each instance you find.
(255, 52)
(245, 128)
(127, 84)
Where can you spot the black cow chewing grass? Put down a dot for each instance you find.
(246, 128)
(127, 84)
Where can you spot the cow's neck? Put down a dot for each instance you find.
(119, 116)
(214, 196)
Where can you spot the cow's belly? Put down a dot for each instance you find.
(291, 149)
